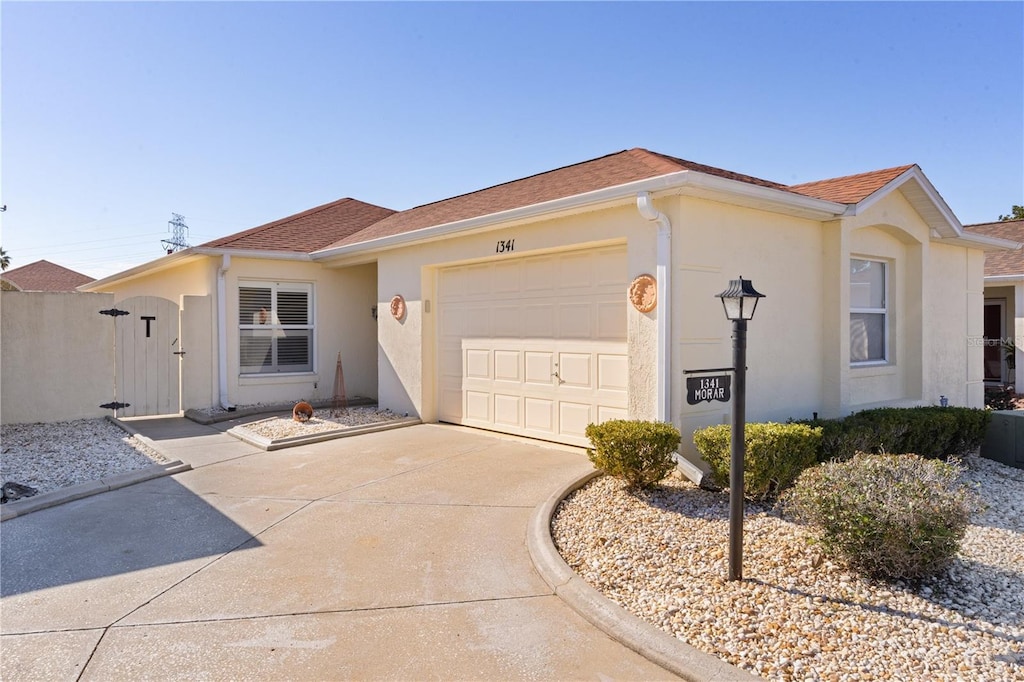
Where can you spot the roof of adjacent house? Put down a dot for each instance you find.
(307, 231)
(600, 173)
(1002, 263)
(45, 276)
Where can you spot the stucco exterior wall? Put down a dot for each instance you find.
(195, 277)
(407, 349)
(714, 243)
(56, 356)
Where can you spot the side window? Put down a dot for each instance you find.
(275, 327)
(869, 311)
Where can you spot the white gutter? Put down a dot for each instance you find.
(982, 241)
(645, 205)
(222, 333)
(252, 253)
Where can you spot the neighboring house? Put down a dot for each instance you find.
(1004, 303)
(508, 308)
(43, 276)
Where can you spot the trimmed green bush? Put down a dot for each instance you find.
(932, 432)
(639, 452)
(886, 516)
(775, 456)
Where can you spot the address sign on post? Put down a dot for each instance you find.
(708, 388)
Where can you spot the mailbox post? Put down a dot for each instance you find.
(739, 302)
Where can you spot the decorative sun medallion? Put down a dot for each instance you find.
(398, 308)
(643, 293)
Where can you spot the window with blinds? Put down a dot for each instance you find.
(275, 325)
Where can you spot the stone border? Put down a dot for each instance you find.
(204, 419)
(649, 641)
(76, 492)
(268, 444)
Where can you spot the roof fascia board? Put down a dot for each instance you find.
(1000, 279)
(703, 184)
(253, 253)
(150, 267)
(765, 198)
(983, 242)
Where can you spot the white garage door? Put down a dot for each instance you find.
(535, 346)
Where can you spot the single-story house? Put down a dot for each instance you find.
(582, 294)
(1004, 303)
(43, 275)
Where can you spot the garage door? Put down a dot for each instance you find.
(534, 346)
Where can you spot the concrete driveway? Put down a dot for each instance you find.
(394, 555)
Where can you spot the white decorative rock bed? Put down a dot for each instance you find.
(275, 433)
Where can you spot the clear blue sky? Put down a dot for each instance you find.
(234, 114)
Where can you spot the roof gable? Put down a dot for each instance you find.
(307, 231)
(1002, 263)
(45, 276)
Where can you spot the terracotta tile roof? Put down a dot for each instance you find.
(587, 176)
(1002, 262)
(849, 189)
(45, 276)
(307, 231)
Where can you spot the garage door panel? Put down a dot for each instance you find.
(574, 320)
(514, 323)
(506, 365)
(612, 372)
(507, 409)
(574, 369)
(539, 321)
(478, 363)
(574, 417)
(611, 320)
(540, 415)
(540, 367)
(478, 406)
(506, 321)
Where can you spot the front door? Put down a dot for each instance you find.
(994, 332)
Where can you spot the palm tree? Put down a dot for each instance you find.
(5, 260)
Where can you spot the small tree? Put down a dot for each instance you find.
(5, 260)
(1016, 213)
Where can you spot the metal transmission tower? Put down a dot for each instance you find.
(178, 229)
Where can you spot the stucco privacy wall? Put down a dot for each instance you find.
(56, 356)
(407, 349)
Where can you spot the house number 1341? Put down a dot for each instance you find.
(505, 246)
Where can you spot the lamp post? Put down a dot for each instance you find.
(739, 302)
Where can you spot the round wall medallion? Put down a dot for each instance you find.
(643, 293)
(398, 308)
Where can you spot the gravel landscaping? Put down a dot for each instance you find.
(61, 454)
(663, 556)
(323, 421)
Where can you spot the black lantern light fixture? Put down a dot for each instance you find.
(739, 302)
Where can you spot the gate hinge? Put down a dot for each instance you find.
(115, 406)
(114, 312)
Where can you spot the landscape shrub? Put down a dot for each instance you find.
(886, 516)
(932, 432)
(639, 452)
(775, 455)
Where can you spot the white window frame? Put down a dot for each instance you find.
(884, 311)
(274, 328)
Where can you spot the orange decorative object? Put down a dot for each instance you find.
(643, 293)
(398, 308)
(302, 412)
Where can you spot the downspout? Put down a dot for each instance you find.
(222, 334)
(645, 205)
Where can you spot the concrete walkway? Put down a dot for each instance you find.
(395, 555)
